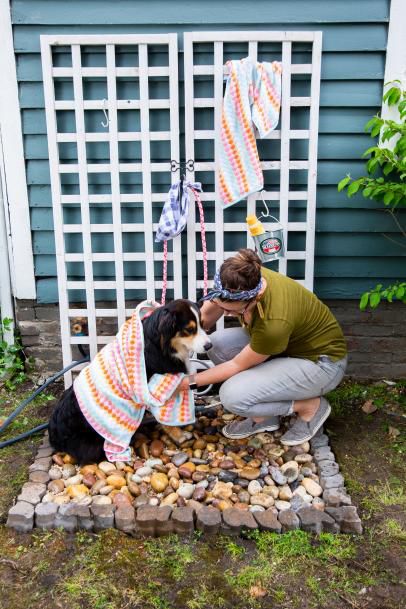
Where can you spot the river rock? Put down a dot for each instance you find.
(290, 470)
(249, 473)
(56, 486)
(159, 482)
(144, 471)
(277, 475)
(106, 467)
(156, 448)
(285, 493)
(186, 490)
(254, 487)
(261, 499)
(68, 470)
(312, 487)
(55, 473)
(222, 490)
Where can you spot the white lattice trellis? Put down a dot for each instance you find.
(85, 187)
(218, 47)
(115, 200)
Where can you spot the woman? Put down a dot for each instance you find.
(288, 352)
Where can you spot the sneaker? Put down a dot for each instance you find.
(243, 429)
(301, 431)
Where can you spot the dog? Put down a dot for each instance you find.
(171, 332)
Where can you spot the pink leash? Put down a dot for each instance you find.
(204, 248)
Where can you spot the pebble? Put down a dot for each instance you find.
(170, 499)
(74, 480)
(290, 470)
(277, 475)
(159, 482)
(282, 505)
(77, 490)
(249, 473)
(303, 458)
(68, 470)
(312, 487)
(106, 467)
(56, 486)
(256, 508)
(285, 493)
(222, 490)
(199, 493)
(156, 448)
(186, 490)
(261, 499)
(55, 473)
(254, 487)
(101, 500)
(144, 471)
(179, 459)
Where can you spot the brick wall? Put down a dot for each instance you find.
(376, 339)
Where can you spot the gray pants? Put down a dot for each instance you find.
(270, 388)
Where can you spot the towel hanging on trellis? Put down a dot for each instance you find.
(252, 97)
(174, 219)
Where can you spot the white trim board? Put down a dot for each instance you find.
(16, 194)
(395, 66)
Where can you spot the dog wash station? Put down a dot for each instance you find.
(113, 107)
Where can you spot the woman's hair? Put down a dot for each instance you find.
(242, 271)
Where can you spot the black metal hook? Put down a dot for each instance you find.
(186, 166)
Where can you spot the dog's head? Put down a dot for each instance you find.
(179, 329)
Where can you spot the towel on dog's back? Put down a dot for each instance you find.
(113, 391)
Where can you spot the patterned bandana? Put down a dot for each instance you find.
(219, 292)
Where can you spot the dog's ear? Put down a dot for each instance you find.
(166, 329)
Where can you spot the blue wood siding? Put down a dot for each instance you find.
(351, 252)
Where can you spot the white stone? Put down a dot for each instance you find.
(254, 487)
(186, 490)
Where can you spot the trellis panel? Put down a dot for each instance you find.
(287, 200)
(89, 189)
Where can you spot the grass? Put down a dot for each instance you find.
(264, 570)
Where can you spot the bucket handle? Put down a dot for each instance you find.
(268, 214)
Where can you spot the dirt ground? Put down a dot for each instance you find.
(53, 569)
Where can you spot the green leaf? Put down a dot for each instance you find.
(388, 197)
(374, 300)
(400, 292)
(364, 301)
(353, 188)
(375, 131)
(343, 183)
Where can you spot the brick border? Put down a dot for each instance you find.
(339, 516)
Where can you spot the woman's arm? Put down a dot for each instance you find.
(247, 358)
(210, 313)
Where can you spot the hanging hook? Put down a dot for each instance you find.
(268, 214)
(105, 114)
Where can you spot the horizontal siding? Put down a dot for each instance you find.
(351, 251)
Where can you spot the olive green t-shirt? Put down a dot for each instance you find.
(296, 323)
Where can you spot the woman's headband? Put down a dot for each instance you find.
(219, 292)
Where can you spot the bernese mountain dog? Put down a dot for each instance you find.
(171, 332)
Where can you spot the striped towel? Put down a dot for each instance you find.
(252, 97)
(113, 391)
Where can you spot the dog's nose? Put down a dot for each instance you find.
(207, 346)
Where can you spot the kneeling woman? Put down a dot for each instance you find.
(289, 352)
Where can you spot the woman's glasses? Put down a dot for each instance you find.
(233, 311)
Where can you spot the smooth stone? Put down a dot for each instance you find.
(88, 469)
(282, 505)
(312, 487)
(144, 471)
(241, 482)
(199, 493)
(55, 473)
(290, 470)
(256, 508)
(156, 448)
(186, 490)
(269, 481)
(106, 467)
(227, 476)
(56, 486)
(101, 500)
(306, 472)
(116, 481)
(133, 488)
(272, 491)
(249, 473)
(89, 480)
(121, 499)
(57, 459)
(303, 458)
(244, 497)
(254, 487)
(141, 500)
(179, 459)
(170, 499)
(77, 490)
(318, 503)
(153, 501)
(159, 482)
(297, 502)
(68, 470)
(202, 484)
(285, 493)
(261, 499)
(74, 480)
(301, 492)
(153, 463)
(97, 486)
(222, 490)
(136, 478)
(61, 499)
(277, 475)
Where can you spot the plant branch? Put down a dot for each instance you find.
(394, 241)
(398, 224)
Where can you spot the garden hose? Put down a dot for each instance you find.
(24, 403)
